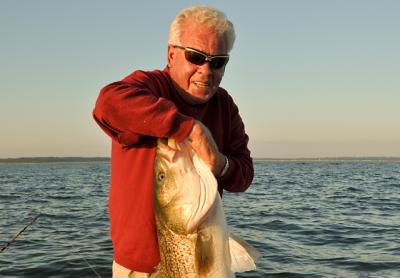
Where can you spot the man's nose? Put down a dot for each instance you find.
(204, 68)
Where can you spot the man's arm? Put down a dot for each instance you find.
(240, 172)
(130, 109)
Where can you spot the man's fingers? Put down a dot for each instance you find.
(204, 145)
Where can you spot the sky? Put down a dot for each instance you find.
(312, 78)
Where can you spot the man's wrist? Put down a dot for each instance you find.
(225, 169)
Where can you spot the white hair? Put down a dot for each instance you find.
(205, 15)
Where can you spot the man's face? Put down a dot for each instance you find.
(197, 84)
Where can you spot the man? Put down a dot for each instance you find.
(183, 101)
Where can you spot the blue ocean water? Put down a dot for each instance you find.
(308, 219)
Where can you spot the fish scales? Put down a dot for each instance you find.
(177, 253)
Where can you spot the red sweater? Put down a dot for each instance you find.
(134, 112)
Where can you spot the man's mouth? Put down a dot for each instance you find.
(201, 84)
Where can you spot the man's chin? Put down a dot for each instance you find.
(197, 97)
(200, 99)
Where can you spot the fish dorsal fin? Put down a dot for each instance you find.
(243, 255)
(207, 192)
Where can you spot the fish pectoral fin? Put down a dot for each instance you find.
(243, 255)
(204, 254)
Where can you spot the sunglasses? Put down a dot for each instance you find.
(200, 58)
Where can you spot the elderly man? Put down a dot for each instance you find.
(183, 101)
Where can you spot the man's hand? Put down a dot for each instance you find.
(204, 145)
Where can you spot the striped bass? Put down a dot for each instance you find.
(192, 232)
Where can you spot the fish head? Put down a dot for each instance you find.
(184, 186)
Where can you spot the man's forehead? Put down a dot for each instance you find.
(203, 38)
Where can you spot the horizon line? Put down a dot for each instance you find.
(44, 159)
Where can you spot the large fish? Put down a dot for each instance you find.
(191, 228)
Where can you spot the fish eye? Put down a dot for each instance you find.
(160, 176)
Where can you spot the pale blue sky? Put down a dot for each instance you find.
(311, 78)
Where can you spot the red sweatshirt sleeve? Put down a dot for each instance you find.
(130, 109)
(240, 172)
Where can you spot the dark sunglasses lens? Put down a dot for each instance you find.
(199, 59)
(218, 62)
(195, 58)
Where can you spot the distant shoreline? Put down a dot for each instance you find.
(327, 159)
(53, 159)
(107, 159)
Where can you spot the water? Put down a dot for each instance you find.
(309, 219)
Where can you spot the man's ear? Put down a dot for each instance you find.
(171, 55)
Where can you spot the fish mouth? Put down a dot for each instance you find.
(166, 150)
(170, 151)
